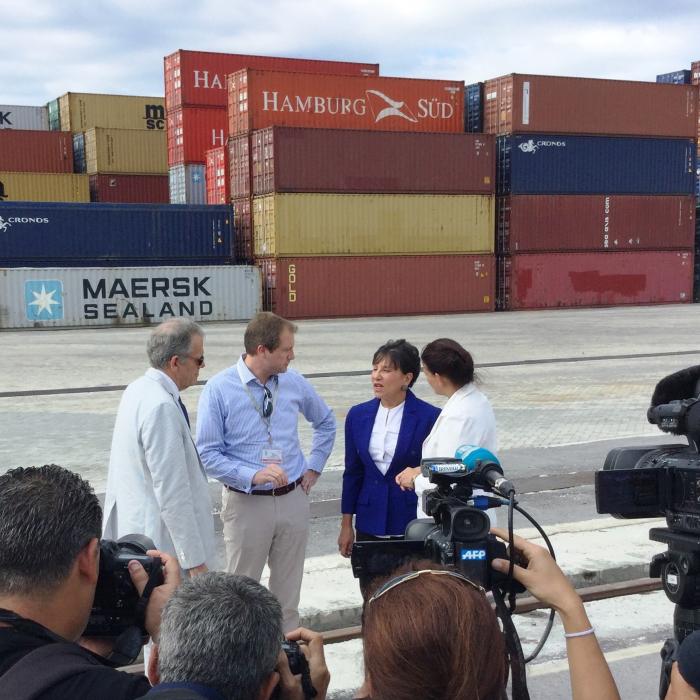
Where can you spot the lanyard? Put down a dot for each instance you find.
(258, 409)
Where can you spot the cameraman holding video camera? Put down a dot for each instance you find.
(50, 523)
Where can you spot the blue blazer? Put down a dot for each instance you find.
(381, 507)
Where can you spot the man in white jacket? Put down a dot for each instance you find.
(156, 484)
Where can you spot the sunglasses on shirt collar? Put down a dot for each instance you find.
(267, 404)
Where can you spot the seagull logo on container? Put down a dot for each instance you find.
(393, 108)
(4, 225)
(43, 300)
(528, 146)
(532, 146)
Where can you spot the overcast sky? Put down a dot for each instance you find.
(51, 47)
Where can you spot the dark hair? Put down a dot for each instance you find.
(265, 329)
(223, 631)
(449, 359)
(402, 355)
(451, 639)
(48, 515)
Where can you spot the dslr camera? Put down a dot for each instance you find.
(115, 608)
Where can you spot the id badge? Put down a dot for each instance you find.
(270, 456)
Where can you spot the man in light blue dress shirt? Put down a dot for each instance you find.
(247, 437)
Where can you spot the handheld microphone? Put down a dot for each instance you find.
(449, 466)
(485, 469)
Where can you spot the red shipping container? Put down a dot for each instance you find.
(143, 189)
(258, 99)
(553, 280)
(199, 77)
(287, 159)
(24, 151)
(377, 286)
(518, 104)
(240, 165)
(192, 131)
(532, 223)
(216, 176)
(242, 231)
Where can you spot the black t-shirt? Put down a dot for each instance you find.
(97, 680)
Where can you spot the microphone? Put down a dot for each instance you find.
(684, 384)
(485, 469)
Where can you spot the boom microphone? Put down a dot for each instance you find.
(684, 384)
(485, 469)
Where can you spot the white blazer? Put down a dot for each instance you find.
(156, 484)
(466, 419)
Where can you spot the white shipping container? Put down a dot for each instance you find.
(22, 117)
(111, 296)
(187, 184)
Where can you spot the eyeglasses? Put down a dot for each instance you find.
(198, 360)
(398, 580)
(267, 405)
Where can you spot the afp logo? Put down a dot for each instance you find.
(155, 117)
(472, 555)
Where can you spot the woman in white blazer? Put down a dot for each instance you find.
(466, 419)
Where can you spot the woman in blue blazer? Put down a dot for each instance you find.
(383, 437)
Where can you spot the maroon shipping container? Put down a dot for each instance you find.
(242, 230)
(553, 280)
(695, 72)
(518, 104)
(140, 189)
(533, 223)
(377, 286)
(216, 176)
(36, 151)
(239, 165)
(258, 99)
(192, 131)
(287, 159)
(199, 77)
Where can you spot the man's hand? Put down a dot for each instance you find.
(406, 479)
(271, 474)
(346, 538)
(309, 479)
(311, 645)
(160, 594)
(197, 570)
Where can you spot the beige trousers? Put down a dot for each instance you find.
(270, 530)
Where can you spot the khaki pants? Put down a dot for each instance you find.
(271, 530)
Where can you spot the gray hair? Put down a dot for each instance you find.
(223, 631)
(48, 515)
(170, 338)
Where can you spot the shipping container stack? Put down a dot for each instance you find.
(695, 81)
(36, 165)
(118, 142)
(196, 99)
(595, 185)
(370, 200)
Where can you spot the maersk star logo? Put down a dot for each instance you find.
(390, 108)
(43, 300)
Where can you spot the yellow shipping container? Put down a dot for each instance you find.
(81, 111)
(372, 224)
(126, 151)
(44, 187)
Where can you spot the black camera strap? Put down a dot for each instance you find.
(514, 650)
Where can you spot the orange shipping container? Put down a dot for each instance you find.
(518, 104)
(216, 176)
(257, 99)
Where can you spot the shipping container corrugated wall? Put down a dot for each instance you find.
(192, 131)
(258, 99)
(316, 287)
(36, 151)
(243, 230)
(24, 117)
(335, 160)
(551, 104)
(551, 280)
(64, 297)
(65, 235)
(82, 111)
(217, 177)
(350, 224)
(145, 189)
(187, 184)
(43, 187)
(125, 151)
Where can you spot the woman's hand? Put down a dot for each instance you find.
(406, 479)
(346, 536)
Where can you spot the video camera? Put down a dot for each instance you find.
(458, 533)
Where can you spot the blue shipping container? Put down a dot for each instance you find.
(561, 164)
(79, 162)
(678, 77)
(474, 108)
(50, 234)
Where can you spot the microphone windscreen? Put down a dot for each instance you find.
(677, 386)
(472, 454)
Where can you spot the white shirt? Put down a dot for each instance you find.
(385, 435)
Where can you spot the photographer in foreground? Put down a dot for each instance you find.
(50, 523)
(221, 640)
(452, 640)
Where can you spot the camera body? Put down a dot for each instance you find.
(114, 608)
